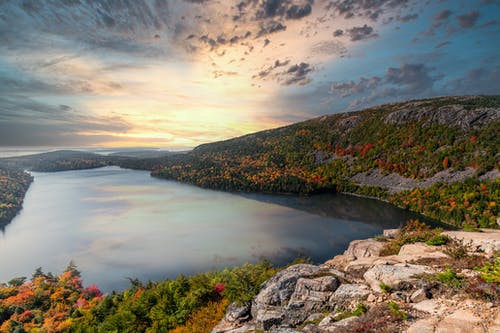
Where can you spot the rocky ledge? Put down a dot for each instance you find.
(362, 291)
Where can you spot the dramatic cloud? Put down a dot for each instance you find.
(184, 72)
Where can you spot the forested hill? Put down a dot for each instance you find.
(13, 187)
(385, 151)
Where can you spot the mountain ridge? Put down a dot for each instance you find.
(410, 145)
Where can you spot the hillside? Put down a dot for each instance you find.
(13, 187)
(386, 152)
(56, 161)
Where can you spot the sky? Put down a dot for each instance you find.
(178, 73)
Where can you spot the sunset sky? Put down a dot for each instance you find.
(177, 73)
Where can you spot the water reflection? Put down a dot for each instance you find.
(350, 208)
(116, 223)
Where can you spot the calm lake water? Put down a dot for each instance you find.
(116, 223)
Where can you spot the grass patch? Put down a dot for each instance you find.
(385, 288)
(395, 311)
(379, 319)
(360, 309)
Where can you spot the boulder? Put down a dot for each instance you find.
(235, 316)
(423, 326)
(349, 293)
(268, 307)
(364, 248)
(368, 262)
(417, 251)
(460, 321)
(430, 306)
(393, 275)
(419, 295)
(278, 289)
(310, 295)
(329, 325)
(391, 233)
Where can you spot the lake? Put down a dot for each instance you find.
(117, 223)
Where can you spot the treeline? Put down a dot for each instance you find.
(13, 187)
(472, 203)
(50, 303)
(323, 154)
(57, 161)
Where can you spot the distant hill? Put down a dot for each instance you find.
(143, 153)
(56, 161)
(384, 151)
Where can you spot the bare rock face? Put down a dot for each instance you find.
(393, 275)
(488, 240)
(450, 115)
(310, 295)
(315, 299)
(292, 295)
(460, 321)
(358, 249)
(417, 251)
(278, 290)
(235, 316)
(348, 293)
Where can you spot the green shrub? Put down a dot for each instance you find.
(395, 311)
(438, 240)
(490, 272)
(412, 232)
(450, 278)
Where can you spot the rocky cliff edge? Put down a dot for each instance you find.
(423, 288)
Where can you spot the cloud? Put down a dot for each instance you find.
(338, 33)
(27, 122)
(398, 82)
(442, 15)
(406, 18)
(297, 74)
(442, 44)
(296, 12)
(329, 47)
(371, 9)
(294, 74)
(468, 20)
(480, 80)
(414, 77)
(349, 88)
(361, 33)
(282, 8)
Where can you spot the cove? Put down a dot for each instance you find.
(117, 223)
